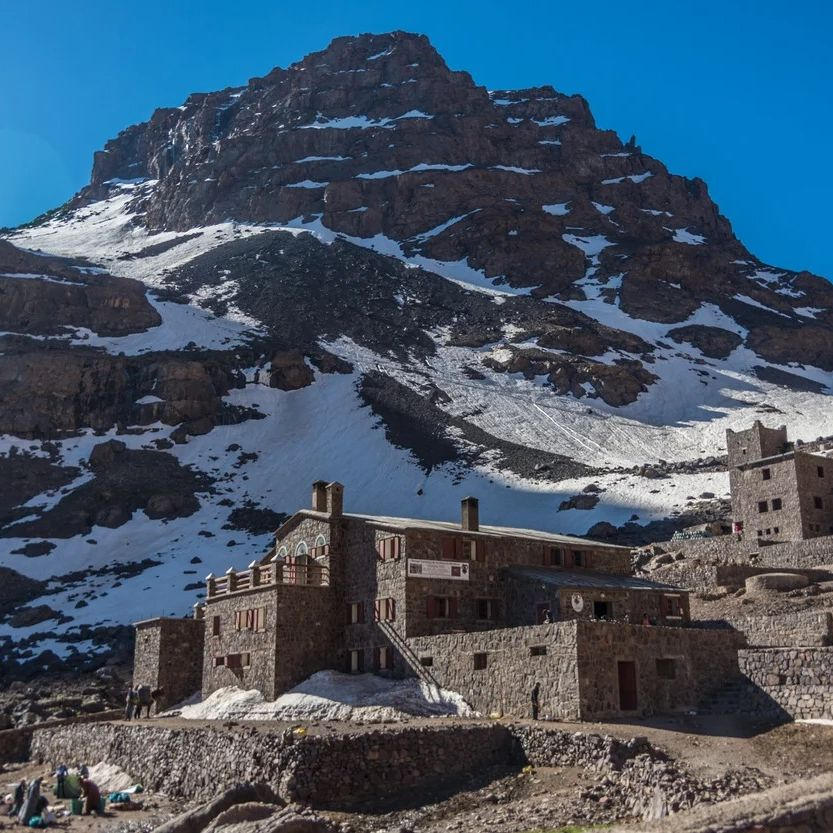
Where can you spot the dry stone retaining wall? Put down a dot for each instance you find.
(812, 628)
(799, 681)
(333, 771)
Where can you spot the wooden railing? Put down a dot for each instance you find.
(261, 575)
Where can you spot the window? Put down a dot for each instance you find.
(820, 471)
(666, 668)
(776, 504)
(382, 658)
(767, 532)
(818, 502)
(301, 548)
(390, 548)
(553, 557)
(453, 549)
(441, 607)
(671, 606)
(480, 661)
(763, 506)
(384, 610)
(356, 659)
(282, 553)
(602, 610)
(253, 619)
(238, 660)
(766, 474)
(776, 529)
(219, 661)
(538, 651)
(475, 550)
(355, 613)
(426, 662)
(486, 609)
(215, 625)
(321, 547)
(578, 559)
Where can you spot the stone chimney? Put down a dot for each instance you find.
(335, 499)
(470, 514)
(319, 496)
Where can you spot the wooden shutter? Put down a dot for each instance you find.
(663, 605)
(237, 619)
(397, 547)
(377, 606)
(431, 607)
(380, 549)
(390, 613)
(453, 608)
(449, 548)
(480, 550)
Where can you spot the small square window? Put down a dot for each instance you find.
(766, 474)
(538, 651)
(776, 529)
(426, 662)
(215, 625)
(480, 662)
(820, 471)
(776, 504)
(666, 669)
(763, 506)
(818, 503)
(218, 661)
(578, 558)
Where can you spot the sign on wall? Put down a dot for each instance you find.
(455, 570)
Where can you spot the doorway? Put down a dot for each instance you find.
(627, 686)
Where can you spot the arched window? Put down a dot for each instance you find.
(320, 541)
(282, 553)
(301, 548)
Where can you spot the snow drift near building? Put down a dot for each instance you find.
(330, 695)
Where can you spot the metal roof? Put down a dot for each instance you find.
(484, 529)
(585, 578)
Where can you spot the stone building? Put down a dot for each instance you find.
(366, 593)
(779, 491)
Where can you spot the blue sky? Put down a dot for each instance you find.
(736, 92)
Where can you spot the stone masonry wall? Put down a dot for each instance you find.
(332, 771)
(511, 669)
(798, 680)
(675, 667)
(169, 655)
(811, 628)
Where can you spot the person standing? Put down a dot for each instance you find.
(92, 797)
(536, 690)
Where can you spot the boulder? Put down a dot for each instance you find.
(780, 582)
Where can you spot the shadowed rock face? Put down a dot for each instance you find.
(44, 295)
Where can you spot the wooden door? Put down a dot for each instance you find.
(627, 686)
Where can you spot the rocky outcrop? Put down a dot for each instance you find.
(713, 342)
(52, 391)
(45, 295)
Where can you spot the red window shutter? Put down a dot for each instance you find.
(391, 610)
(448, 548)
(480, 551)
(452, 608)
(459, 548)
(380, 548)
(397, 547)
(663, 606)
(377, 610)
(431, 607)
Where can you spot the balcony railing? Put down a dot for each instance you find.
(262, 575)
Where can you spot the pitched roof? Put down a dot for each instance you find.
(484, 529)
(585, 578)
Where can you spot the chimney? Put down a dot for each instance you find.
(335, 499)
(319, 496)
(470, 514)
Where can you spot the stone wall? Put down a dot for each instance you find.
(728, 550)
(811, 628)
(15, 744)
(169, 655)
(514, 661)
(675, 667)
(804, 806)
(798, 681)
(328, 771)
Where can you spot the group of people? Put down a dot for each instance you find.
(31, 808)
(141, 697)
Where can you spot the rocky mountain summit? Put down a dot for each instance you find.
(366, 267)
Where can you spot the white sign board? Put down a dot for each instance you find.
(454, 570)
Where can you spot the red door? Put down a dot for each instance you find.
(627, 686)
